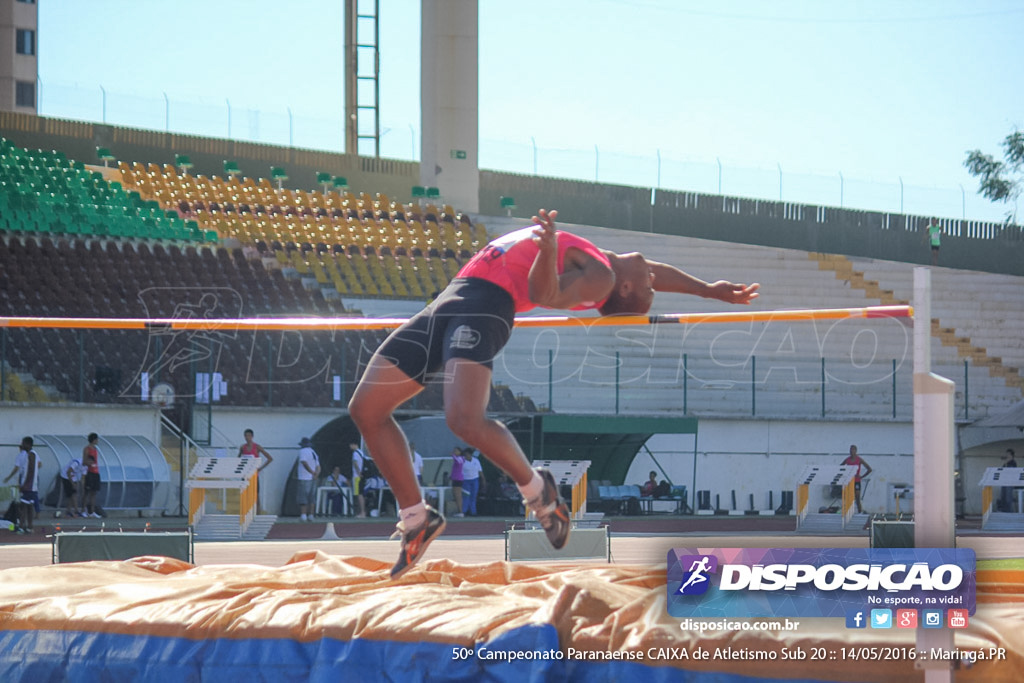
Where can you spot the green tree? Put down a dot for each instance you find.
(1001, 181)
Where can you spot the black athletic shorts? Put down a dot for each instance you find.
(471, 318)
(70, 487)
(92, 481)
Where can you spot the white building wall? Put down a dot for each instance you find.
(755, 456)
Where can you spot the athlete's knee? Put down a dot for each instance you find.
(467, 426)
(363, 411)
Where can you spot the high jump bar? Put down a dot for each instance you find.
(299, 324)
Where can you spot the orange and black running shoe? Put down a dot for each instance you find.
(552, 511)
(415, 541)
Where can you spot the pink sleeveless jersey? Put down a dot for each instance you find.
(507, 261)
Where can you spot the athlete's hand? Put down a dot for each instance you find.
(733, 293)
(545, 237)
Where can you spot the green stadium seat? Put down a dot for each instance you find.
(508, 203)
(340, 182)
(231, 168)
(183, 163)
(104, 155)
(419, 192)
(433, 193)
(278, 173)
(324, 179)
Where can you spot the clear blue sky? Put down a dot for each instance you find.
(875, 90)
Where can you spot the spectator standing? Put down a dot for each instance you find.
(358, 465)
(472, 479)
(309, 470)
(71, 480)
(252, 449)
(1009, 493)
(91, 460)
(456, 478)
(863, 470)
(26, 466)
(934, 238)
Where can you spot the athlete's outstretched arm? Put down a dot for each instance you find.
(668, 278)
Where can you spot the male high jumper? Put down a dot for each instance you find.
(465, 327)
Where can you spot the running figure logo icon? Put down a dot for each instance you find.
(696, 579)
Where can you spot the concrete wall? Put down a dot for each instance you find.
(19, 420)
(974, 245)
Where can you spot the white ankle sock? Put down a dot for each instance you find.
(534, 489)
(414, 516)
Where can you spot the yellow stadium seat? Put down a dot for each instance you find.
(37, 395)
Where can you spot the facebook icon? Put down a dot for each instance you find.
(856, 619)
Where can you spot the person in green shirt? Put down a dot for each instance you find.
(934, 237)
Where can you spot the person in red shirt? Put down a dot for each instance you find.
(91, 460)
(252, 449)
(863, 470)
(463, 329)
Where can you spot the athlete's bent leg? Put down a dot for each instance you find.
(467, 390)
(381, 390)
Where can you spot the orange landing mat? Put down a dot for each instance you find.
(318, 615)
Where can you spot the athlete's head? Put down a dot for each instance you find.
(633, 292)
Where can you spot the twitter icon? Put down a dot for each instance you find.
(881, 618)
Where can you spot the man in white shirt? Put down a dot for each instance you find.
(26, 466)
(472, 480)
(71, 478)
(417, 462)
(308, 471)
